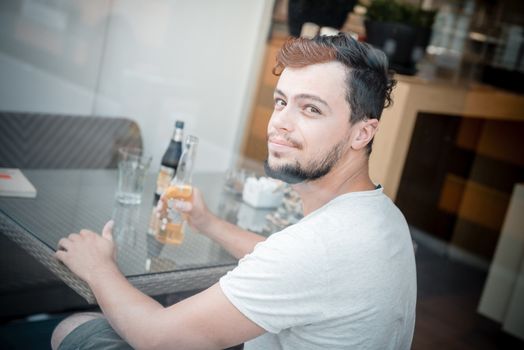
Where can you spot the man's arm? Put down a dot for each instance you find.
(236, 241)
(205, 321)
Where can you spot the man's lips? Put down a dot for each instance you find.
(280, 145)
(281, 142)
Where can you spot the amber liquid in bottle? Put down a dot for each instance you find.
(171, 224)
(171, 230)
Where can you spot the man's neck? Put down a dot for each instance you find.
(350, 176)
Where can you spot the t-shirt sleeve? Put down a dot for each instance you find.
(282, 283)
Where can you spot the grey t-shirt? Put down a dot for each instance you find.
(342, 278)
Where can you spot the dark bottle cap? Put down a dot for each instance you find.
(179, 124)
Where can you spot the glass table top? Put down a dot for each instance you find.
(70, 200)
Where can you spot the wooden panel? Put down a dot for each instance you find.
(469, 133)
(261, 117)
(255, 135)
(503, 141)
(268, 78)
(458, 194)
(483, 205)
(413, 96)
(451, 195)
(257, 149)
(494, 103)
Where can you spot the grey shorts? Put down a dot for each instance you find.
(98, 334)
(94, 334)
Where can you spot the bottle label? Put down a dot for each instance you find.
(164, 178)
(174, 216)
(179, 135)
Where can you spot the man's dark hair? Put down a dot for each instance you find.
(369, 82)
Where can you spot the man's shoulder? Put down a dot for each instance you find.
(294, 239)
(351, 208)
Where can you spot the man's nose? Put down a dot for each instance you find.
(282, 120)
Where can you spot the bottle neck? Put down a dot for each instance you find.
(178, 135)
(184, 170)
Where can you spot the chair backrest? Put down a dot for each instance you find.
(44, 141)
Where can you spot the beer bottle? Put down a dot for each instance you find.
(171, 228)
(169, 163)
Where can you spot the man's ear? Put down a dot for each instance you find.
(365, 131)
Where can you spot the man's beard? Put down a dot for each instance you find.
(314, 169)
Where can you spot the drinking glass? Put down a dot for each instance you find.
(132, 169)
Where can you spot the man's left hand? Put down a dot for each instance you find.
(87, 253)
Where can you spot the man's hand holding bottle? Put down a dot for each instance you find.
(194, 209)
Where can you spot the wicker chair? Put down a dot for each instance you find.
(45, 141)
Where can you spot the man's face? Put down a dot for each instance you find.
(309, 128)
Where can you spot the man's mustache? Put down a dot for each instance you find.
(285, 137)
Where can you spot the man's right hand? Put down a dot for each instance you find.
(237, 241)
(196, 211)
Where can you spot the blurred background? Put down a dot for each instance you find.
(450, 152)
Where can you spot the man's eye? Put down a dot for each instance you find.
(313, 109)
(280, 102)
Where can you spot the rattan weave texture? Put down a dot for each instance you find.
(69, 200)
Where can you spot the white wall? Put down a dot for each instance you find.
(152, 61)
(50, 54)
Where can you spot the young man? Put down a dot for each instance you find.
(341, 278)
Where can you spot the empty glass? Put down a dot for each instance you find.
(235, 179)
(132, 169)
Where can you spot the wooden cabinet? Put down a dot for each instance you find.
(254, 143)
(449, 156)
(413, 96)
